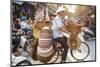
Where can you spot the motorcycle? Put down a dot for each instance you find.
(88, 34)
(20, 57)
(20, 60)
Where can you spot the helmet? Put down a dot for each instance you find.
(23, 18)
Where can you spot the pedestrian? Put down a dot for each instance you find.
(16, 40)
(58, 28)
(17, 24)
(51, 17)
(29, 23)
(24, 24)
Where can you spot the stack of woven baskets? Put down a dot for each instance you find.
(45, 49)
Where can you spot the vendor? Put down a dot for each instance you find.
(58, 28)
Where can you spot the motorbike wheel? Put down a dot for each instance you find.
(86, 37)
(25, 62)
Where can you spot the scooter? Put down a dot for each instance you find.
(88, 34)
(21, 58)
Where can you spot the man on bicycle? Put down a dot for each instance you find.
(58, 28)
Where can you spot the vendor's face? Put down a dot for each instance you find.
(62, 13)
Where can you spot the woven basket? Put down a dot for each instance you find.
(74, 43)
(45, 59)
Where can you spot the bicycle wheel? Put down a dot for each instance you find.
(28, 47)
(81, 53)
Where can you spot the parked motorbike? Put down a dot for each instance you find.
(19, 57)
(88, 34)
(20, 60)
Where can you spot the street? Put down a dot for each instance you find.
(92, 45)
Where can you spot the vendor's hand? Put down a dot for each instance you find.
(68, 33)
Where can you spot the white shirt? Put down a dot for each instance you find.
(57, 23)
(23, 25)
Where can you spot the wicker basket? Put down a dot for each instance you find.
(74, 43)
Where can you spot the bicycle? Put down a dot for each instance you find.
(78, 54)
(28, 43)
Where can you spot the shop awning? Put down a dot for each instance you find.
(18, 2)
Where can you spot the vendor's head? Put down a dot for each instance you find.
(62, 11)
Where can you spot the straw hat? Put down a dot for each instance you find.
(60, 9)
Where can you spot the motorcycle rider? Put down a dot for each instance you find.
(16, 40)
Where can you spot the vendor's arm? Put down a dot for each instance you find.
(64, 30)
(61, 26)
